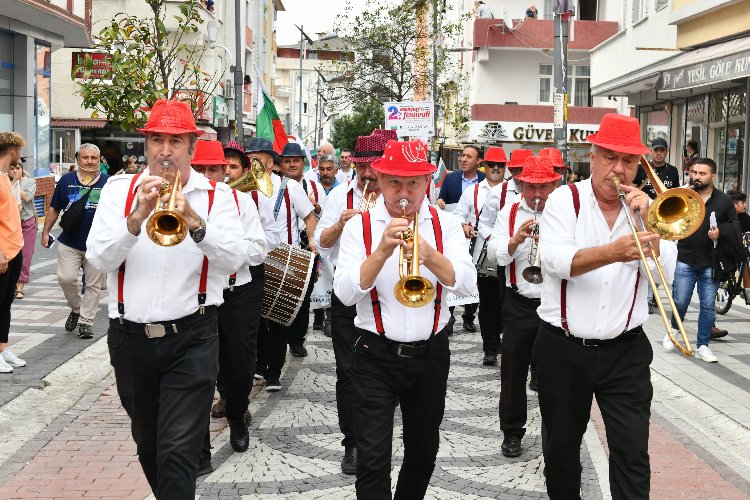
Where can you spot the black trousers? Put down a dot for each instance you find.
(569, 375)
(515, 356)
(491, 295)
(166, 385)
(381, 380)
(278, 335)
(343, 337)
(8, 281)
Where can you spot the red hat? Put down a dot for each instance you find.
(370, 147)
(171, 117)
(538, 171)
(495, 154)
(404, 159)
(619, 133)
(209, 153)
(554, 155)
(518, 158)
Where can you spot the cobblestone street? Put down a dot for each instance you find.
(67, 436)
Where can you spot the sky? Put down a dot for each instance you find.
(307, 14)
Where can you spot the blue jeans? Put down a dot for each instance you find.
(685, 278)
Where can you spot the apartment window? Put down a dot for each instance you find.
(639, 10)
(248, 14)
(660, 4)
(545, 83)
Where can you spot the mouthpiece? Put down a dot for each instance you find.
(403, 202)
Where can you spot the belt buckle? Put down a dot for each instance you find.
(154, 330)
(589, 343)
(400, 352)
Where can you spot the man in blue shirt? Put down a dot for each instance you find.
(71, 252)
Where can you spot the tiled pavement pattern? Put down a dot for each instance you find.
(65, 434)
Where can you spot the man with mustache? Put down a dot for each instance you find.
(694, 257)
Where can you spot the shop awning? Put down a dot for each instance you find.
(78, 123)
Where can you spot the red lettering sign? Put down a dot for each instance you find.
(92, 65)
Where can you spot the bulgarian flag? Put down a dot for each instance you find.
(267, 124)
(440, 173)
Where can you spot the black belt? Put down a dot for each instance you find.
(401, 349)
(631, 334)
(162, 328)
(524, 300)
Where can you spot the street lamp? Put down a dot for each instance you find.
(212, 32)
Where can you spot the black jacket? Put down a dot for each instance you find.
(668, 175)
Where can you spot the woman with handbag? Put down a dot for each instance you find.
(25, 187)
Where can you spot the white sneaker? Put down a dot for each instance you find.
(12, 359)
(667, 344)
(705, 354)
(4, 366)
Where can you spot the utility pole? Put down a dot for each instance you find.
(318, 112)
(420, 51)
(238, 74)
(560, 79)
(302, 38)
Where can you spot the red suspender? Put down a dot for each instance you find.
(315, 191)
(438, 231)
(564, 283)
(233, 276)
(254, 195)
(476, 204)
(511, 225)
(367, 234)
(503, 194)
(350, 199)
(288, 217)
(121, 273)
(204, 268)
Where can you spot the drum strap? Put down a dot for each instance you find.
(254, 195)
(350, 199)
(121, 272)
(367, 236)
(503, 194)
(279, 197)
(511, 226)
(233, 276)
(476, 205)
(564, 283)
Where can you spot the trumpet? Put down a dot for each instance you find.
(166, 227)
(366, 202)
(533, 273)
(412, 290)
(674, 214)
(257, 178)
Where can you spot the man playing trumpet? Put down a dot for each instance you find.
(515, 244)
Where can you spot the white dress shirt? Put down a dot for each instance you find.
(401, 323)
(254, 236)
(598, 301)
(161, 283)
(274, 232)
(299, 203)
(467, 212)
(498, 246)
(335, 204)
(345, 177)
(492, 207)
(312, 175)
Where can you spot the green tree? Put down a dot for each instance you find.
(149, 62)
(365, 117)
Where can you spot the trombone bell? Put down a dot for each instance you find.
(256, 178)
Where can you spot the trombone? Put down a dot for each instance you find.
(166, 227)
(412, 290)
(257, 178)
(366, 202)
(674, 214)
(533, 273)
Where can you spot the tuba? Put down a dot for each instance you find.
(412, 290)
(166, 227)
(256, 178)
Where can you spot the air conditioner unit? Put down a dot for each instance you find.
(229, 88)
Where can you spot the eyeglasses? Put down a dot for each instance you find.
(495, 166)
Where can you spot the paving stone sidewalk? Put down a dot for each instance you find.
(67, 435)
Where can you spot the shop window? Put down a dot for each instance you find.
(696, 108)
(43, 109)
(6, 82)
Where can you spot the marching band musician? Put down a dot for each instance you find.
(469, 210)
(343, 203)
(238, 315)
(162, 337)
(401, 354)
(590, 340)
(512, 239)
(291, 205)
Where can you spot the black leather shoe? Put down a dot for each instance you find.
(298, 351)
(349, 463)
(239, 436)
(511, 446)
(490, 360)
(469, 326)
(717, 333)
(72, 322)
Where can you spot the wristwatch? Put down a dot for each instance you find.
(200, 232)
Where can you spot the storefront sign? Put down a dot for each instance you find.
(92, 65)
(410, 119)
(221, 112)
(716, 70)
(488, 131)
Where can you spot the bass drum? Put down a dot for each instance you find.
(288, 272)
